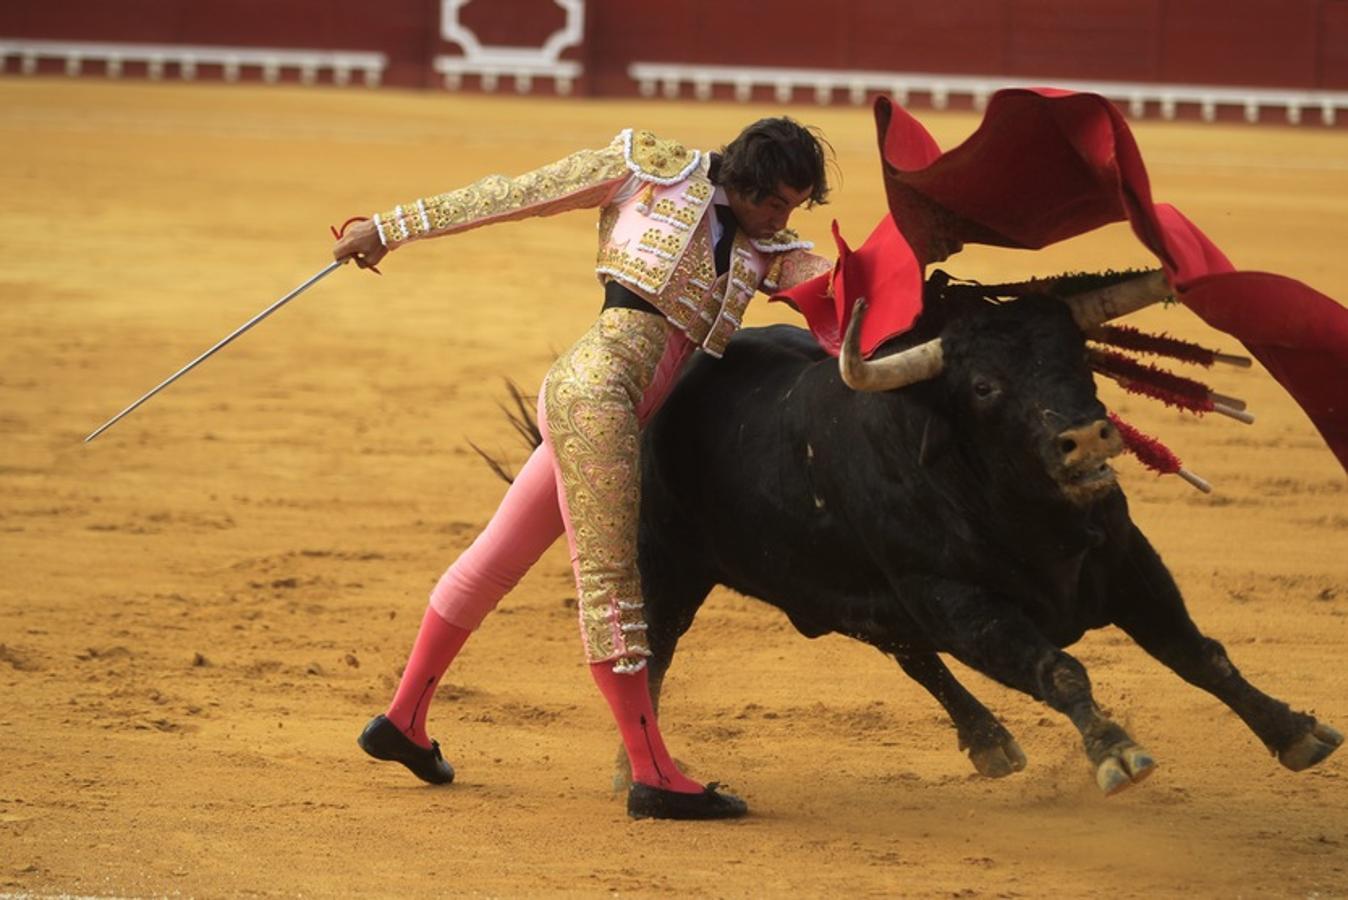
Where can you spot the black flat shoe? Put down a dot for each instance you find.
(384, 740)
(646, 802)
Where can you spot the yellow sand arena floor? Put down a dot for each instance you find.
(200, 609)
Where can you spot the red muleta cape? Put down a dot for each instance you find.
(1043, 166)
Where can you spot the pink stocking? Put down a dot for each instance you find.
(629, 698)
(526, 523)
(437, 643)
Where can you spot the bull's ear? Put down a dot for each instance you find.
(936, 435)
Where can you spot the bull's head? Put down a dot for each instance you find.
(1019, 373)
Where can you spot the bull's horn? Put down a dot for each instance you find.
(1092, 309)
(887, 373)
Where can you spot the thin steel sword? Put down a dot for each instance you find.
(328, 270)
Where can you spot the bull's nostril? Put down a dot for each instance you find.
(1067, 445)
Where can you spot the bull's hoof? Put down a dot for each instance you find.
(622, 772)
(998, 760)
(1125, 766)
(1311, 748)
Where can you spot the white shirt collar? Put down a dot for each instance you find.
(718, 198)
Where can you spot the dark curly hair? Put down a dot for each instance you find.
(771, 152)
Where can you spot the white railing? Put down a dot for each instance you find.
(270, 62)
(522, 71)
(670, 80)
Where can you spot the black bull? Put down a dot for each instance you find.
(972, 514)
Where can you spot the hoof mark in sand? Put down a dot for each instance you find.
(18, 659)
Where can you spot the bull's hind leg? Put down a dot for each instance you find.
(989, 634)
(1146, 604)
(992, 749)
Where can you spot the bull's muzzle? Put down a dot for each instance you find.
(1097, 441)
(1082, 459)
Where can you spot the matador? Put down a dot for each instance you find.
(686, 238)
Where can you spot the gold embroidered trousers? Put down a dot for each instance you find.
(595, 399)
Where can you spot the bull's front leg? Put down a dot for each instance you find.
(991, 635)
(1147, 605)
(992, 749)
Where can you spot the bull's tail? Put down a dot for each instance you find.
(519, 412)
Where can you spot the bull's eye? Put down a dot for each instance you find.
(984, 388)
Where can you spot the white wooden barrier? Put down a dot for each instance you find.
(670, 80)
(522, 71)
(268, 61)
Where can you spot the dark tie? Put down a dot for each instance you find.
(728, 226)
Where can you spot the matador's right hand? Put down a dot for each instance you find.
(360, 242)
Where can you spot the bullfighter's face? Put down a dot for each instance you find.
(761, 219)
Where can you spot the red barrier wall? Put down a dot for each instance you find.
(1333, 51)
(1274, 43)
(405, 30)
(1269, 43)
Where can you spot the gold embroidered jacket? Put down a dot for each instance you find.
(654, 229)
